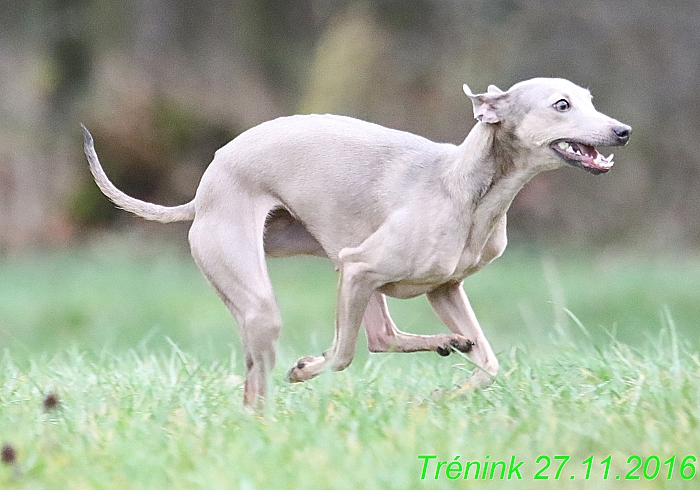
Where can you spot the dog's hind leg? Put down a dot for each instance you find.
(227, 246)
(452, 306)
(384, 336)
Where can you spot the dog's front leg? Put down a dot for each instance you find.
(452, 306)
(357, 284)
(384, 336)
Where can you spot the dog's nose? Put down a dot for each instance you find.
(622, 133)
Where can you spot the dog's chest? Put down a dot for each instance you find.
(440, 271)
(475, 258)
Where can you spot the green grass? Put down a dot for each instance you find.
(598, 358)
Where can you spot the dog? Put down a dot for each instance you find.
(398, 215)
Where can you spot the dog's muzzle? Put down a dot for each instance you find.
(585, 156)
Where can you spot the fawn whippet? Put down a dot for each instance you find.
(397, 215)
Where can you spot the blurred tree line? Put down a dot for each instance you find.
(163, 83)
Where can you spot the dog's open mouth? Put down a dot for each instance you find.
(583, 156)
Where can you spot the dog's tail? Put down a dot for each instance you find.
(147, 210)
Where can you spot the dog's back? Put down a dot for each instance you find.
(322, 166)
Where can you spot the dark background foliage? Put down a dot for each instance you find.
(162, 84)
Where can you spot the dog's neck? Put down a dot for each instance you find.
(485, 176)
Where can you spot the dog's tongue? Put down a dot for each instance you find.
(585, 149)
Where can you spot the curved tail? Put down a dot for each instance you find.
(147, 210)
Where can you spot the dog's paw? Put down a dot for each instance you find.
(304, 369)
(478, 381)
(459, 343)
(444, 351)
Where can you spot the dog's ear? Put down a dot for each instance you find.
(494, 90)
(488, 107)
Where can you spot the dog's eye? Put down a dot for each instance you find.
(562, 105)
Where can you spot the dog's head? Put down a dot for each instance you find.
(554, 120)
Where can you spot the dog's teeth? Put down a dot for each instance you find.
(603, 161)
(564, 145)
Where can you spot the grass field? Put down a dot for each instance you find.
(598, 359)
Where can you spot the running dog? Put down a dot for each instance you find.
(396, 214)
